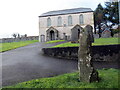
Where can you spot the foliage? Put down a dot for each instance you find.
(108, 14)
(18, 35)
(13, 45)
(115, 31)
(109, 79)
(99, 41)
(98, 16)
(25, 35)
(111, 12)
(14, 35)
(54, 41)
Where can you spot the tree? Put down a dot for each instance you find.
(99, 17)
(111, 12)
(14, 35)
(108, 14)
(25, 35)
(18, 35)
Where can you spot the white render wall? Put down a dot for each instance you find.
(88, 19)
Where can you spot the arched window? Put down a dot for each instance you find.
(59, 21)
(81, 19)
(48, 22)
(69, 20)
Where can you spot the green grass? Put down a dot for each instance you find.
(106, 41)
(14, 45)
(100, 41)
(109, 79)
(54, 41)
(68, 44)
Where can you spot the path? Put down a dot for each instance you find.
(26, 63)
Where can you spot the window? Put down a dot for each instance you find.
(48, 22)
(69, 20)
(81, 19)
(59, 21)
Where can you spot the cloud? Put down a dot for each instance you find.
(22, 15)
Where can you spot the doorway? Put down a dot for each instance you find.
(78, 33)
(75, 33)
(52, 35)
(42, 38)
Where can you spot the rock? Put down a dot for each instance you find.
(117, 35)
(85, 57)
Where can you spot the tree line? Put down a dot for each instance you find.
(17, 35)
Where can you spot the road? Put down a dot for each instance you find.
(27, 63)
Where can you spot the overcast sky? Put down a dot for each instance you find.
(21, 16)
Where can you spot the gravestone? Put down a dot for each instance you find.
(85, 57)
(106, 33)
(117, 35)
(96, 35)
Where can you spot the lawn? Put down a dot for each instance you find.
(54, 41)
(109, 79)
(14, 45)
(99, 41)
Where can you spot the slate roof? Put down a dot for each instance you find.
(66, 11)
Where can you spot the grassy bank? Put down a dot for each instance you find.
(13, 45)
(54, 41)
(99, 41)
(109, 79)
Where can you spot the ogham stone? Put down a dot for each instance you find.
(85, 66)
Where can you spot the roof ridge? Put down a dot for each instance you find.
(73, 10)
(68, 9)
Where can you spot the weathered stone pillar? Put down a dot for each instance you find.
(85, 66)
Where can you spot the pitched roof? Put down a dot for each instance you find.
(66, 11)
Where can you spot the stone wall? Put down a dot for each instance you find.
(100, 53)
(6, 40)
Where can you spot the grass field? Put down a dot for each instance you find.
(13, 45)
(54, 41)
(100, 41)
(109, 79)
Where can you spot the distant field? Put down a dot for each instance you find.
(100, 41)
(13, 45)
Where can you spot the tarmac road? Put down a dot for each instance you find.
(27, 63)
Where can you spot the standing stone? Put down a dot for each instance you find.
(85, 66)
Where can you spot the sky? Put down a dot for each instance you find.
(21, 16)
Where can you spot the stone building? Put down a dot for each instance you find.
(64, 24)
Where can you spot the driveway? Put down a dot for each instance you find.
(27, 63)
